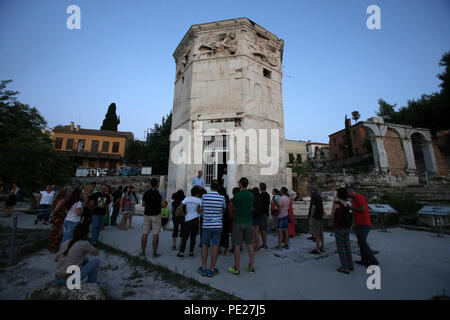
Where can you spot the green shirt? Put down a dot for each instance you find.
(243, 201)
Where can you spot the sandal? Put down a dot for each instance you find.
(314, 252)
(343, 270)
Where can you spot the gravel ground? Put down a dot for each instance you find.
(120, 280)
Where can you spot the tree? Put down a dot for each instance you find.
(429, 111)
(348, 145)
(136, 152)
(155, 151)
(111, 119)
(355, 116)
(26, 149)
(158, 142)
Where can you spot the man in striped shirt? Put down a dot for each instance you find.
(213, 207)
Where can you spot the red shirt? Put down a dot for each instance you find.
(361, 218)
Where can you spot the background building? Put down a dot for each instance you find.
(391, 148)
(295, 151)
(90, 147)
(311, 148)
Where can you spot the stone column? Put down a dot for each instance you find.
(379, 154)
(409, 156)
(430, 159)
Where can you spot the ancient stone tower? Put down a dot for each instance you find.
(228, 79)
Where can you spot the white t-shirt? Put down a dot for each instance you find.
(72, 213)
(47, 198)
(192, 204)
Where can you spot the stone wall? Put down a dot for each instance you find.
(140, 183)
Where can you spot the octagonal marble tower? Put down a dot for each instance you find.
(228, 77)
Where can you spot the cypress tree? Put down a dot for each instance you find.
(111, 119)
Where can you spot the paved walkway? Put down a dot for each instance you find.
(414, 265)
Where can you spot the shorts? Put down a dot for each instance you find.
(152, 223)
(315, 226)
(242, 232)
(283, 223)
(256, 222)
(263, 225)
(213, 234)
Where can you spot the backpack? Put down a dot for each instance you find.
(346, 220)
(179, 212)
(165, 212)
(274, 208)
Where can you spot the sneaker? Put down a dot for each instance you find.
(180, 255)
(203, 272)
(234, 271)
(251, 269)
(156, 255)
(215, 271)
(141, 255)
(286, 246)
(191, 254)
(210, 273)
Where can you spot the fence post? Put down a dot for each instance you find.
(13, 241)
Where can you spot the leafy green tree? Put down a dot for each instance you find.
(356, 115)
(158, 143)
(26, 149)
(111, 121)
(155, 151)
(429, 111)
(136, 152)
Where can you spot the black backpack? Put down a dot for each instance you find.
(346, 220)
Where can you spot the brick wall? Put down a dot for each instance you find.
(441, 161)
(394, 151)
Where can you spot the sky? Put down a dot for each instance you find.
(332, 64)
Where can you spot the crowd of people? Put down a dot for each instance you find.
(213, 215)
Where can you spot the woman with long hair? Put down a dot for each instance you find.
(74, 252)
(274, 208)
(257, 214)
(57, 217)
(125, 207)
(342, 228)
(73, 217)
(178, 214)
(132, 207)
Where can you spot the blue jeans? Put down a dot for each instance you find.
(211, 234)
(97, 221)
(68, 228)
(44, 212)
(89, 269)
(283, 223)
(367, 256)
